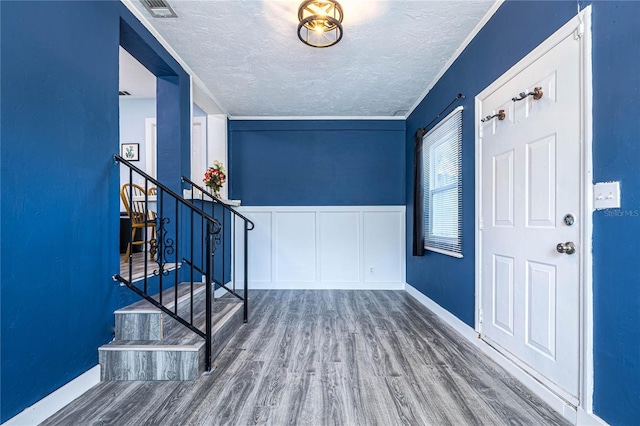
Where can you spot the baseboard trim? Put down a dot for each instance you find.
(327, 286)
(453, 321)
(56, 400)
(575, 415)
(589, 419)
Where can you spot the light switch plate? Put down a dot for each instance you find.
(606, 195)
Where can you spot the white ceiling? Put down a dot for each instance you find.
(248, 56)
(135, 78)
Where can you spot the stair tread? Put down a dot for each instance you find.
(220, 311)
(168, 297)
(190, 344)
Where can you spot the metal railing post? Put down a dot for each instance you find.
(246, 280)
(209, 279)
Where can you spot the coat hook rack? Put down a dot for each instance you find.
(536, 93)
(500, 114)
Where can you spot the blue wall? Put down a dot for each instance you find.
(616, 233)
(616, 155)
(310, 163)
(59, 185)
(198, 112)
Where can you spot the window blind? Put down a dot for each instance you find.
(442, 178)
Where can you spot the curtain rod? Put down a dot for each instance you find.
(456, 99)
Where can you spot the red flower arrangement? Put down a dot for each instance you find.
(215, 177)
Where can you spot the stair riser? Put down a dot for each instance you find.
(138, 326)
(139, 364)
(144, 326)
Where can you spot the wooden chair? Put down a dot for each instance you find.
(154, 193)
(136, 210)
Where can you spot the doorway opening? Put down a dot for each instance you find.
(137, 113)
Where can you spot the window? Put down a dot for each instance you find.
(442, 174)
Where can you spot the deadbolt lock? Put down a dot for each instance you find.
(569, 219)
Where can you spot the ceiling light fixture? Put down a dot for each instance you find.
(320, 22)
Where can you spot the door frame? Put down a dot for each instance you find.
(580, 27)
(202, 122)
(151, 146)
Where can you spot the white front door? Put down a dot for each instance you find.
(530, 181)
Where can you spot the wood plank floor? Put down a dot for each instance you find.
(328, 358)
(136, 271)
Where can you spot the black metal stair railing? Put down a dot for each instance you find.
(175, 236)
(225, 213)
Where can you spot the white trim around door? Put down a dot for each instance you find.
(151, 148)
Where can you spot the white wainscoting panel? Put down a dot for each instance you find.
(260, 244)
(295, 247)
(324, 247)
(339, 246)
(384, 260)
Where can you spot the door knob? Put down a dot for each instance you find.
(566, 248)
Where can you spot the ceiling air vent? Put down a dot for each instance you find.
(124, 93)
(159, 8)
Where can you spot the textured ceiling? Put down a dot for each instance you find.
(135, 78)
(249, 57)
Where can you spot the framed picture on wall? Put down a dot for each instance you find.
(130, 151)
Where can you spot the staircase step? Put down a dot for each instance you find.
(149, 361)
(143, 321)
(168, 296)
(179, 355)
(231, 320)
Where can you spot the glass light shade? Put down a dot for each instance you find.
(320, 22)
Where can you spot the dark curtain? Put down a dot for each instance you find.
(418, 202)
